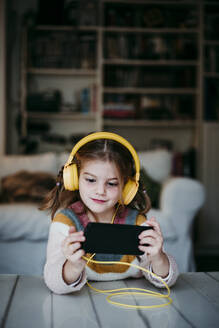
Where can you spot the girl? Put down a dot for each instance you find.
(99, 183)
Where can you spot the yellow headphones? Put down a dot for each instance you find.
(70, 172)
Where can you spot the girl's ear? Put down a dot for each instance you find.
(129, 191)
(70, 177)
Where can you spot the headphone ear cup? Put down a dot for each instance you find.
(70, 177)
(129, 191)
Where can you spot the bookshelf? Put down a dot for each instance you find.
(211, 60)
(149, 60)
(59, 79)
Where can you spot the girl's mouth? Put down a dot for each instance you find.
(99, 201)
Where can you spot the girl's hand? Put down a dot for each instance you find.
(73, 254)
(154, 250)
(153, 238)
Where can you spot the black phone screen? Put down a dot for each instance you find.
(106, 238)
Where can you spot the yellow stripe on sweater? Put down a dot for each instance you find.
(140, 218)
(115, 268)
(63, 219)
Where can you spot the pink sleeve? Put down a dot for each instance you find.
(54, 265)
(169, 280)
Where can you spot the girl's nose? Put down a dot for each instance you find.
(100, 189)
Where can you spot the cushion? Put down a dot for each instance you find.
(26, 186)
(157, 163)
(23, 221)
(10, 164)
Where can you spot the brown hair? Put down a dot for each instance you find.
(100, 149)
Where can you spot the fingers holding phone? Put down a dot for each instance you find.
(151, 241)
(71, 248)
(71, 245)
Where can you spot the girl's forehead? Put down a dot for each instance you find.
(97, 166)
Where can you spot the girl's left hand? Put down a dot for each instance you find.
(153, 238)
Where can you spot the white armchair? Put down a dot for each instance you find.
(180, 200)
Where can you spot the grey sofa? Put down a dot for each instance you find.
(24, 229)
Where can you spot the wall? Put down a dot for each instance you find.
(15, 12)
(208, 221)
(2, 78)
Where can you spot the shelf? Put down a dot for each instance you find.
(150, 62)
(151, 30)
(116, 29)
(61, 116)
(210, 3)
(211, 42)
(212, 75)
(147, 123)
(153, 2)
(62, 71)
(66, 28)
(133, 90)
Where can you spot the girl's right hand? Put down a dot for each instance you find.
(71, 248)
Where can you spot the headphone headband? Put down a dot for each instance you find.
(111, 136)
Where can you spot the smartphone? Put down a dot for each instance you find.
(106, 238)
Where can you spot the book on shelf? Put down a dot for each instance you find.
(62, 49)
(53, 49)
(88, 12)
(111, 48)
(87, 50)
(148, 15)
(119, 110)
(88, 99)
(121, 76)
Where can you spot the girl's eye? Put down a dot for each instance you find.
(113, 184)
(90, 180)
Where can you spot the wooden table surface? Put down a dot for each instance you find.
(25, 301)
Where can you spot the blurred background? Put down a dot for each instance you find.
(147, 70)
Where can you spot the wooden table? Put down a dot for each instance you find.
(25, 301)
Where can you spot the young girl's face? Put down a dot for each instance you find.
(100, 187)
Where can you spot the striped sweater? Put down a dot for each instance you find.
(76, 216)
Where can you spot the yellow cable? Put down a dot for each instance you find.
(141, 291)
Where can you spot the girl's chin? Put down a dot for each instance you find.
(99, 209)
